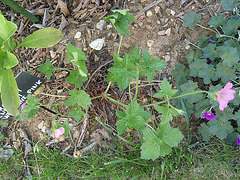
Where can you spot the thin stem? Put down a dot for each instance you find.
(115, 101)
(195, 92)
(108, 87)
(96, 97)
(194, 45)
(52, 95)
(207, 28)
(21, 10)
(129, 91)
(120, 44)
(136, 91)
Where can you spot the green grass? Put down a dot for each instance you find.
(206, 161)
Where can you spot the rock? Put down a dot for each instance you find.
(100, 25)
(148, 27)
(167, 57)
(172, 12)
(157, 9)
(149, 13)
(52, 54)
(109, 26)
(143, 1)
(163, 6)
(40, 126)
(78, 35)
(161, 33)
(150, 43)
(168, 32)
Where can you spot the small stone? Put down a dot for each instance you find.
(52, 54)
(149, 13)
(40, 126)
(172, 12)
(78, 36)
(150, 43)
(163, 6)
(168, 32)
(148, 27)
(161, 33)
(143, 1)
(140, 24)
(44, 129)
(100, 25)
(157, 9)
(167, 57)
(109, 26)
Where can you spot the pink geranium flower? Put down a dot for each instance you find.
(59, 131)
(225, 95)
(208, 115)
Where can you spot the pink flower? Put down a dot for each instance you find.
(208, 115)
(59, 132)
(225, 95)
(23, 106)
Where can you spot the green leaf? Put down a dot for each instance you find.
(196, 66)
(122, 71)
(225, 73)
(229, 55)
(217, 21)
(78, 58)
(204, 130)
(220, 128)
(121, 19)
(31, 107)
(76, 113)
(47, 68)
(150, 66)
(209, 51)
(43, 38)
(7, 28)
(76, 78)
(225, 115)
(159, 143)
(208, 73)
(78, 97)
(10, 61)
(190, 56)
(166, 89)
(9, 92)
(133, 117)
(214, 89)
(231, 27)
(191, 20)
(168, 113)
(201, 106)
(181, 73)
(229, 4)
(189, 87)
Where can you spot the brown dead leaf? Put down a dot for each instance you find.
(98, 135)
(63, 7)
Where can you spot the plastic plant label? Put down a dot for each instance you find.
(27, 84)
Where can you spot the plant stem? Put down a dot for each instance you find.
(120, 44)
(129, 91)
(52, 95)
(136, 91)
(195, 92)
(108, 87)
(115, 101)
(21, 10)
(207, 28)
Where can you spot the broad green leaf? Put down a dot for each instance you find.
(31, 107)
(190, 56)
(204, 130)
(122, 71)
(133, 117)
(43, 38)
(76, 113)
(47, 68)
(150, 66)
(196, 66)
(217, 21)
(231, 27)
(159, 143)
(231, 138)
(225, 73)
(168, 113)
(10, 61)
(191, 20)
(229, 55)
(9, 93)
(76, 78)
(135, 56)
(229, 4)
(78, 58)
(78, 97)
(220, 128)
(121, 19)
(181, 73)
(7, 28)
(225, 115)
(166, 89)
(208, 73)
(201, 106)
(209, 51)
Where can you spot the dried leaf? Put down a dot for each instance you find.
(63, 7)
(97, 44)
(98, 135)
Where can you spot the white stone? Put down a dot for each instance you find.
(168, 32)
(157, 9)
(149, 13)
(172, 12)
(100, 25)
(78, 35)
(150, 43)
(167, 57)
(161, 33)
(40, 126)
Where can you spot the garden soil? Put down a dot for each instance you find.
(158, 28)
